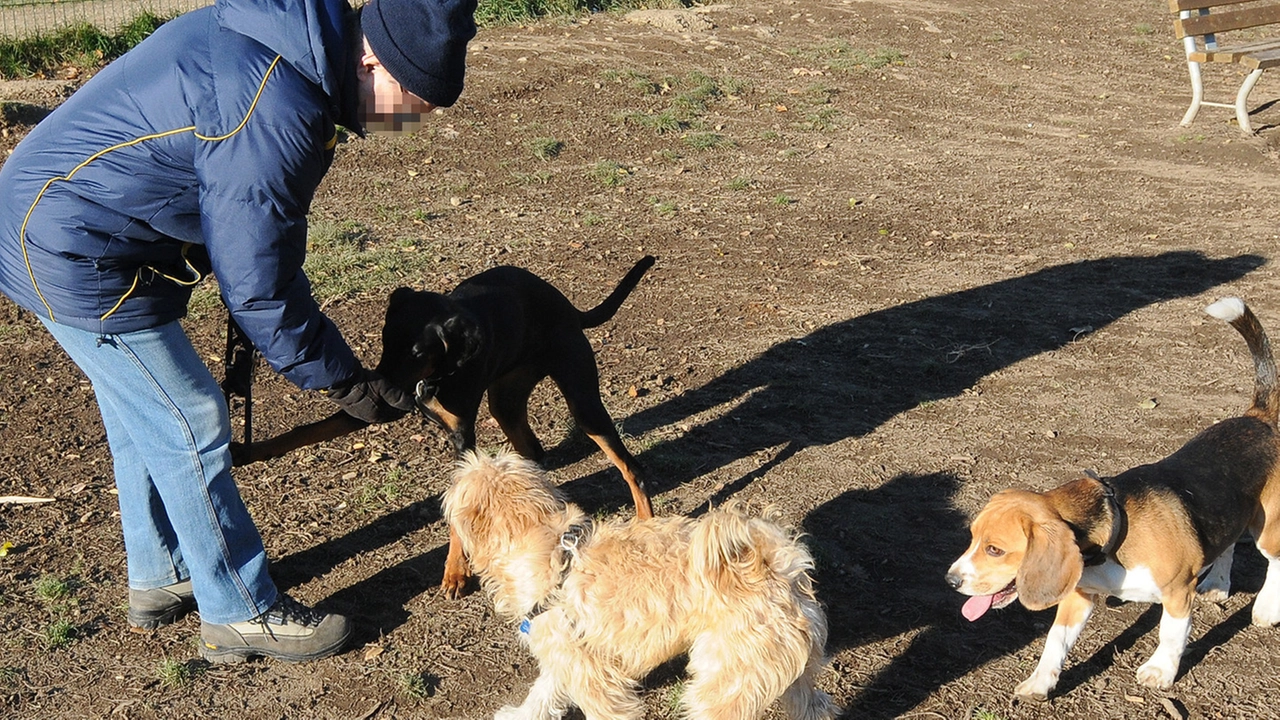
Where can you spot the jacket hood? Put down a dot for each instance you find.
(310, 35)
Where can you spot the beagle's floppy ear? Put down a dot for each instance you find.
(1052, 565)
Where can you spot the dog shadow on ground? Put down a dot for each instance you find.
(839, 382)
(846, 379)
(881, 578)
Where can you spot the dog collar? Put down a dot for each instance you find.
(1119, 523)
(570, 540)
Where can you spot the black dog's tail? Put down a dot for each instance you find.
(1266, 391)
(603, 312)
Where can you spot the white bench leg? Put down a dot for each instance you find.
(1242, 98)
(1197, 93)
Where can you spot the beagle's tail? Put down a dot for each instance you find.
(1266, 392)
(603, 312)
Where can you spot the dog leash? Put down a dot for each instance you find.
(238, 362)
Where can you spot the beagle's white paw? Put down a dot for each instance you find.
(1157, 675)
(1037, 687)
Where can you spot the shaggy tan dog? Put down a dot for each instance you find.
(605, 603)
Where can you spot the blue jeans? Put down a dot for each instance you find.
(169, 432)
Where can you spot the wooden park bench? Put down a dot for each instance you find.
(1199, 24)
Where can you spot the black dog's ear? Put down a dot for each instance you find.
(398, 296)
(461, 336)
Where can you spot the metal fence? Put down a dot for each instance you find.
(24, 18)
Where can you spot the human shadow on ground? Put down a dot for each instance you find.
(846, 379)
(20, 113)
(841, 381)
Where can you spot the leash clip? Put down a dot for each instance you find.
(423, 392)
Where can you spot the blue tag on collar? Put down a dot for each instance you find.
(524, 626)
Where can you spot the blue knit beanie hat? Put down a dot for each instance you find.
(422, 43)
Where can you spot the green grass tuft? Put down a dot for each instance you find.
(52, 589)
(545, 148)
(176, 673)
(59, 634)
(83, 46)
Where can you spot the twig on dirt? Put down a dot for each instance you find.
(23, 500)
(960, 351)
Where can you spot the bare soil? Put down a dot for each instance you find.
(884, 292)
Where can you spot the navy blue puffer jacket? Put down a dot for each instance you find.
(198, 150)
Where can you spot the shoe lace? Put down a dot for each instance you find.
(286, 610)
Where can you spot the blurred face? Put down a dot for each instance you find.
(385, 107)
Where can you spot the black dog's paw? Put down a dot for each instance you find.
(240, 454)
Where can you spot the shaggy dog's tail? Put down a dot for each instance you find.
(737, 554)
(742, 557)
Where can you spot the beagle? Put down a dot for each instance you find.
(1155, 533)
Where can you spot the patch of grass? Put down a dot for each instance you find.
(981, 714)
(609, 173)
(661, 123)
(538, 178)
(591, 219)
(545, 148)
(740, 183)
(176, 674)
(52, 589)
(323, 234)
(10, 675)
(633, 79)
(664, 208)
(1143, 29)
(373, 495)
(666, 155)
(706, 141)
(783, 200)
(703, 89)
(841, 55)
(417, 686)
(59, 634)
(1020, 56)
(345, 259)
(821, 119)
(83, 46)
(691, 97)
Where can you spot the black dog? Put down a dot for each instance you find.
(500, 332)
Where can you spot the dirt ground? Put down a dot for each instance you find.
(909, 253)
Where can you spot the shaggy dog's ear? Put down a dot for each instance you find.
(1052, 565)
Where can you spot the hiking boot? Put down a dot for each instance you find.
(149, 609)
(289, 631)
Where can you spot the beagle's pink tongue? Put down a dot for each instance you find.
(976, 606)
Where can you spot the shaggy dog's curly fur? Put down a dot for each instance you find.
(605, 603)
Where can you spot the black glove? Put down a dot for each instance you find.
(371, 398)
